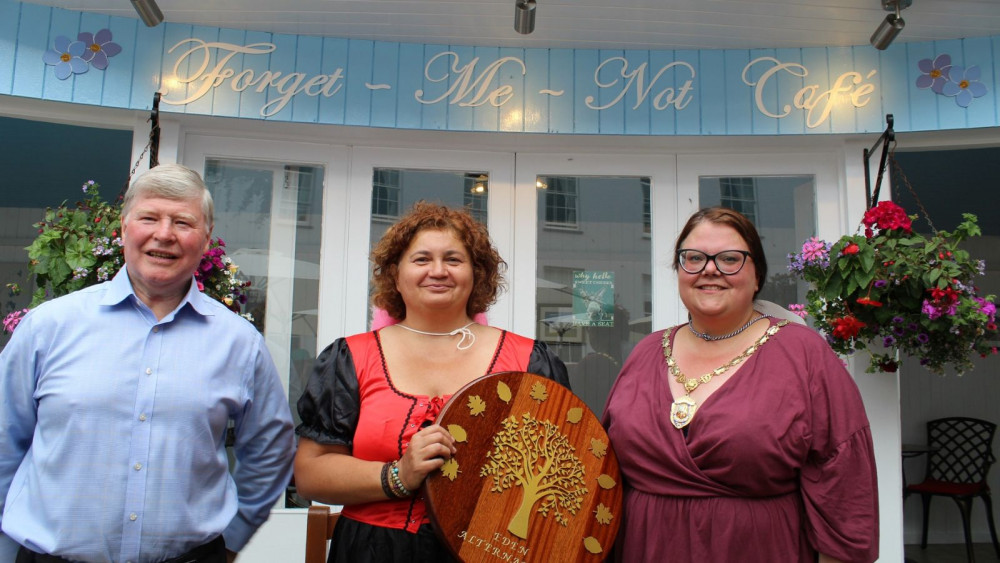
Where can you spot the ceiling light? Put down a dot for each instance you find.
(891, 25)
(148, 11)
(524, 16)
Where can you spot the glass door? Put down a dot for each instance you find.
(385, 183)
(788, 200)
(589, 246)
(270, 201)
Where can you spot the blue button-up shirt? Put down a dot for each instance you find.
(113, 428)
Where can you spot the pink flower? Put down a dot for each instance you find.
(11, 321)
(814, 249)
(798, 309)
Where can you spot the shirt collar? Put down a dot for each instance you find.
(120, 288)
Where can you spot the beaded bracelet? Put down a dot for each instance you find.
(396, 483)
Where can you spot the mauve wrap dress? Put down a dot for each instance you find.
(777, 464)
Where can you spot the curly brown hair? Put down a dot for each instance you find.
(487, 266)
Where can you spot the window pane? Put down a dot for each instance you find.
(395, 190)
(594, 275)
(42, 165)
(268, 213)
(783, 210)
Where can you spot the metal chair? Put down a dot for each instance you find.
(319, 531)
(957, 468)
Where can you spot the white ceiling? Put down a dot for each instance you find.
(608, 24)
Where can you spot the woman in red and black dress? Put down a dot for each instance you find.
(367, 439)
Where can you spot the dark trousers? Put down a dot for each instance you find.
(211, 552)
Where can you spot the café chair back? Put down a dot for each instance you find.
(319, 531)
(957, 467)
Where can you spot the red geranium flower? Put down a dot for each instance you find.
(852, 248)
(847, 327)
(869, 302)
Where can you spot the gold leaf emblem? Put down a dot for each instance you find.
(538, 392)
(606, 481)
(574, 415)
(503, 392)
(457, 432)
(598, 448)
(592, 545)
(476, 405)
(603, 514)
(450, 469)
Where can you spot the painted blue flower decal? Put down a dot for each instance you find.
(98, 48)
(935, 73)
(66, 57)
(954, 81)
(964, 85)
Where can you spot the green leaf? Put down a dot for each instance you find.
(863, 279)
(80, 254)
(852, 286)
(833, 287)
(933, 276)
(867, 258)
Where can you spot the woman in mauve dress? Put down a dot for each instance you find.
(368, 438)
(740, 437)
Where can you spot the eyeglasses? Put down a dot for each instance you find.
(728, 262)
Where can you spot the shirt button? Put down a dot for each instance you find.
(412, 426)
(133, 516)
(137, 466)
(156, 329)
(142, 417)
(149, 371)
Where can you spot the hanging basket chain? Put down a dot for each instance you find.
(131, 173)
(906, 182)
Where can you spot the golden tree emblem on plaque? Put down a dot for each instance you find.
(535, 456)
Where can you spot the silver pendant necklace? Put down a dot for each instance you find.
(464, 331)
(710, 338)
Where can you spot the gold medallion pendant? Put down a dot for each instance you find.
(682, 411)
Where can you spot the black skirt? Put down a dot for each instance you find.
(357, 542)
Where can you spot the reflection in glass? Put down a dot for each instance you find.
(783, 208)
(268, 213)
(593, 290)
(394, 191)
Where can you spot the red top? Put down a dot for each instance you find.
(388, 418)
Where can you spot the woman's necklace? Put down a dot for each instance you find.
(683, 408)
(711, 338)
(464, 331)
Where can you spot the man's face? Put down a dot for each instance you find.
(164, 240)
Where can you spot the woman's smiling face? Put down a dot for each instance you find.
(709, 292)
(435, 272)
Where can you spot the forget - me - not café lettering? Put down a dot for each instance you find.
(473, 83)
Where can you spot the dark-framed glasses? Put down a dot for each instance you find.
(728, 262)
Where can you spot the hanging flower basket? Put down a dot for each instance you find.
(895, 289)
(80, 246)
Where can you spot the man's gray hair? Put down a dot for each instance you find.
(171, 181)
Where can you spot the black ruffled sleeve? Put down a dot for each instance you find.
(330, 404)
(544, 362)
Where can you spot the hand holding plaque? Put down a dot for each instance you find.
(533, 475)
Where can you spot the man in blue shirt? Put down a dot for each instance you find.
(116, 399)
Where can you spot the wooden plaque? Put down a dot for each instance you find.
(534, 477)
